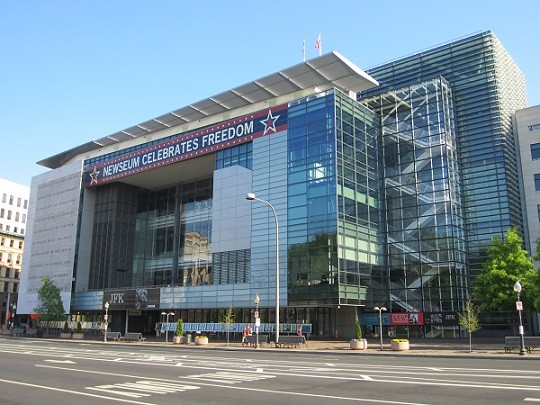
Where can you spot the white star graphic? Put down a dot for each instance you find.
(270, 122)
(94, 176)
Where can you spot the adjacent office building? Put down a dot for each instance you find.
(385, 185)
(527, 124)
(13, 218)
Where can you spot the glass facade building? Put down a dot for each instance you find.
(386, 186)
(487, 87)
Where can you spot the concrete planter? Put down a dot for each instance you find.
(178, 340)
(201, 340)
(78, 336)
(399, 345)
(358, 344)
(66, 335)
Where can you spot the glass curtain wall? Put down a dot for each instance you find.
(311, 217)
(112, 243)
(359, 242)
(424, 233)
(173, 236)
(488, 87)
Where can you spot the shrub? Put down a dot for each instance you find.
(358, 330)
(65, 329)
(79, 328)
(400, 340)
(179, 327)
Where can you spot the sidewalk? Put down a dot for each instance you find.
(421, 347)
(482, 347)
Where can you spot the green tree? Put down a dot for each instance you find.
(507, 262)
(468, 319)
(50, 306)
(358, 330)
(179, 327)
(228, 320)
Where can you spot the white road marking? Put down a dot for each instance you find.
(60, 361)
(75, 392)
(143, 388)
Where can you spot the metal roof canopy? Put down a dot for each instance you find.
(323, 72)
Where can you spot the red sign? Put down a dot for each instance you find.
(407, 318)
(519, 305)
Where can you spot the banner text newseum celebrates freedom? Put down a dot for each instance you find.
(191, 145)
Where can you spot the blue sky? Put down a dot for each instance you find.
(74, 71)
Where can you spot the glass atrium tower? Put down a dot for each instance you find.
(464, 157)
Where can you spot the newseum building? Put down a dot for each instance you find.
(154, 219)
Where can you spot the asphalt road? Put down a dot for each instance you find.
(38, 371)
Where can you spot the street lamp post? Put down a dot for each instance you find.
(106, 318)
(167, 322)
(519, 306)
(380, 323)
(257, 319)
(251, 197)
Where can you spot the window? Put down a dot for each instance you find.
(9, 214)
(534, 127)
(17, 217)
(2, 213)
(10, 200)
(535, 151)
(537, 182)
(25, 205)
(20, 244)
(4, 197)
(19, 202)
(538, 209)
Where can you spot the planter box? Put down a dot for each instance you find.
(65, 335)
(358, 344)
(201, 341)
(178, 340)
(399, 346)
(78, 336)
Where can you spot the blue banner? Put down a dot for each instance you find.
(191, 145)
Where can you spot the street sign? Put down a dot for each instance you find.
(257, 322)
(519, 305)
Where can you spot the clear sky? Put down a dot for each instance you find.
(75, 71)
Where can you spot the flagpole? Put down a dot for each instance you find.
(304, 50)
